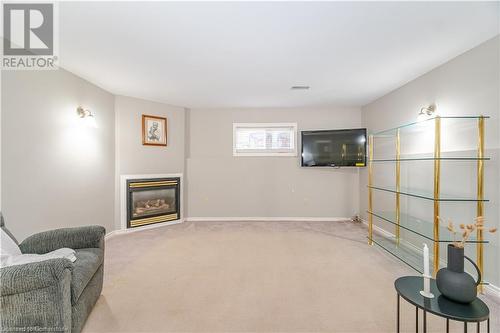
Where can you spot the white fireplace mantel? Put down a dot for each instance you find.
(123, 199)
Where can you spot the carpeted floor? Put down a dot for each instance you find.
(253, 277)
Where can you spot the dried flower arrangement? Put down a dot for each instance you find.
(466, 230)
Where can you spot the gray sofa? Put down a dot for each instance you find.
(54, 295)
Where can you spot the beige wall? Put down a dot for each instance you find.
(134, 158)
(220, 185)
(55, 171)
(467, 85)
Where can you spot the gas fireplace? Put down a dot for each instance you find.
(151, 201)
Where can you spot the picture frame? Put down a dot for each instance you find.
(154, 130)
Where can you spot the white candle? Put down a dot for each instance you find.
(426, 260)
(427, 286)
(427, 275)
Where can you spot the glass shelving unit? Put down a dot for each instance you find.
(429, 145)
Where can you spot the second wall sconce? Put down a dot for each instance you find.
(427, 112)
(87, 116)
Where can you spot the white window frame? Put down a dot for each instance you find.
(268, 152)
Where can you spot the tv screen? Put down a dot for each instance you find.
(334, 148)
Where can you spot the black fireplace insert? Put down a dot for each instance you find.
(151, 201)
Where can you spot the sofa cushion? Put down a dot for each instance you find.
(86, 264)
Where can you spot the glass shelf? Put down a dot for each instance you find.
(387, 132)
(404, 253)
(431, 159)
(425, 195)
(421, 227)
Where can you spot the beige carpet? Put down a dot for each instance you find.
(253, 277)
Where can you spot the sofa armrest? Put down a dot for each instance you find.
(73, 238)
(36, 297)
(36, 275)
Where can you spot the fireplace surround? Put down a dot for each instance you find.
(149, 200)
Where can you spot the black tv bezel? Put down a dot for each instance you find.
(332, 130)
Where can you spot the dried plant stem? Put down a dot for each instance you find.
(466, 230)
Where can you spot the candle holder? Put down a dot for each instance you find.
(427, 287)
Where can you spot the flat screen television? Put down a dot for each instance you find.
(334, 148)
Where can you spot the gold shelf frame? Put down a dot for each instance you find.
(398, 184)
(437, 179)
(370, 190)
(480, 195)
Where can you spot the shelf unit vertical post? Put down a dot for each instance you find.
(398, 184)
(370, 194)
(437, 174)
(480, 195)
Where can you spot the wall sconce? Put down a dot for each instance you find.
(426, 112)
(87, 116)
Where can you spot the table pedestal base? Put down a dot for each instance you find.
(398, 321)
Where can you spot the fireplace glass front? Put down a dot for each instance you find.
(153, 202)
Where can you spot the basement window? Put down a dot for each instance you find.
(264, 139)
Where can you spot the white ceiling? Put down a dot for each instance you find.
(250, 54)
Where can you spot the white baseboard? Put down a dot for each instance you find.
(114, 233)
(267, 219)
(227, 219)
(491, 289)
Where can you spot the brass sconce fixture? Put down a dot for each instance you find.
(87, 116)
(83, 113)
(427, 112)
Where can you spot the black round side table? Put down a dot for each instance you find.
(409, 288)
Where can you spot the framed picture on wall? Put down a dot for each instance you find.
(154, 130)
